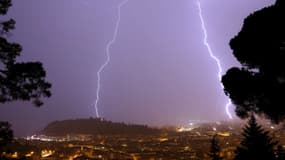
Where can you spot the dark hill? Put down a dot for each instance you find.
(95, 126)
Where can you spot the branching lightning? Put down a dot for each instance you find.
(220, 70)
(108, 47)
(113, 40)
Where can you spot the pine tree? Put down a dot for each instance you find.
(215, 149)
(256, 143)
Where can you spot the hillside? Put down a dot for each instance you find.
(96, 126)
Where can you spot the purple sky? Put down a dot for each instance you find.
(160, 72)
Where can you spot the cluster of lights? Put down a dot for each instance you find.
(46, 153)
(44, 138)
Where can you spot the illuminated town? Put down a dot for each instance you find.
(184, 142)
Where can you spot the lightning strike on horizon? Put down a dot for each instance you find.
(205, 41)
(108, 47)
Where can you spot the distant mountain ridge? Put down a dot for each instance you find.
(95, 126)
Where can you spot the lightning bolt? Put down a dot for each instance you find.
(220, 70)
(108, 47)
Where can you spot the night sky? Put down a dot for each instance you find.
(160, 72)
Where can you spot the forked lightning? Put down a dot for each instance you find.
(220, 70)
(108, 47)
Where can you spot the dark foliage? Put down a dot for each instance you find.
(259, 86)
(4, 6)
(215, 149)
(6, 133)
(18, 80)
(95, 127)
(256, 143)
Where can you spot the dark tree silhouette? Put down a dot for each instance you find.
(256, 143)
(6, 133)
(18, 80)
(215, 149)
(259, 86)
